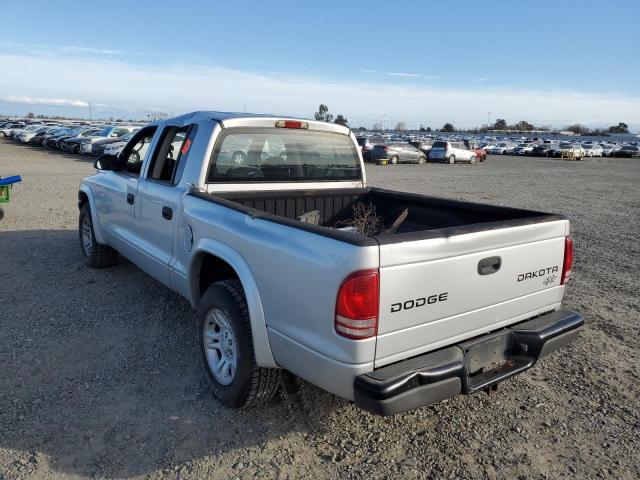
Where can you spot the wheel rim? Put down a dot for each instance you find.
(220, 346)
(394, 160)
(87, 241)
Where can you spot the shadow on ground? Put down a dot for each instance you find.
(103, 364)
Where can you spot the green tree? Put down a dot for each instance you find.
(448, 127)
(323, 114)
(340, 120)
(620, 128)
(31, 115)
(500, 124)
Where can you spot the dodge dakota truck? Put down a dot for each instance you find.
(251, 219)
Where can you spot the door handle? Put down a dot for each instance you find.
(130, 198)
(489, 265)
(167, 213)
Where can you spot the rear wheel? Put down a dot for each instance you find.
(227, 348)
(393, 160)
(451, 159)
(95, 254)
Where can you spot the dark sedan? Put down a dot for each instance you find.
(543, 150)
(397, 153)
(627, 151)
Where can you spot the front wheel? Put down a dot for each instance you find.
(95, 254)
(472, 159)
(422, 160)
(226, 347)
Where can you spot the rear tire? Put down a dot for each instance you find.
(393, 160)
(226, 348)
(451, 159)
(95, 254)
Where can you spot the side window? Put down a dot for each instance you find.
(135, 152)
(170, 155)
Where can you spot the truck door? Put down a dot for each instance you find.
(114, 194)
(158, 200)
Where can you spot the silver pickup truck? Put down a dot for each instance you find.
(254, 220)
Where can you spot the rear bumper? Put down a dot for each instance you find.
(463, 368)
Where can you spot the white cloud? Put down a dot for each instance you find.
(68, 49)
(181, 88)
(480, 80)
(59, 102)
(401, 74)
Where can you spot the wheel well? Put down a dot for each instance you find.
(83, 199)
(213, 269)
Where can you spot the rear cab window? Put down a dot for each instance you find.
(279, 155)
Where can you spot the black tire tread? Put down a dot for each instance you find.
(103, 255)
(265, 382)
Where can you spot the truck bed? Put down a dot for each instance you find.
(428, 217)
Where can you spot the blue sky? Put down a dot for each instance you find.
(423, 62)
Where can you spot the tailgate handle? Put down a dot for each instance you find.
(489, 265)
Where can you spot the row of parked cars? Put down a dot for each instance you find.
(550, 148)
(455, 148)
(81, 138)
(381, 151)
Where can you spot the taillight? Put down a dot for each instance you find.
(568, 260)
(357, 305)
(291, 124)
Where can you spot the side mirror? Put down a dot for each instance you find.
(107, 162)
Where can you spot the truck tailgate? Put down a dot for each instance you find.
(439, 291)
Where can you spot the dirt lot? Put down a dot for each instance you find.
(99, 370)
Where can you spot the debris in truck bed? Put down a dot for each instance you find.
(365, 220)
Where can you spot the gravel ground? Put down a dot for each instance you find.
(99, 370)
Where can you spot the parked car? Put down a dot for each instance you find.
(567, 149)
(39, 137)
(423, 146)
(523, 149)
(455, 299)
(608, 149)
(9, 127)
(55, 141)
(72, 144)
(398, 153)
(543, 149)
(98, 147)
(592, 150)
(27, 133)
(451, 152)
(627, 151)
(366, 144)
(113, 131)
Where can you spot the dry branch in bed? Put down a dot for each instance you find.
(365, 220)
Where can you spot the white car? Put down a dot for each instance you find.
(112, 131)
(523, 149)
(451, 152)
(9, 128)
(592, 150)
